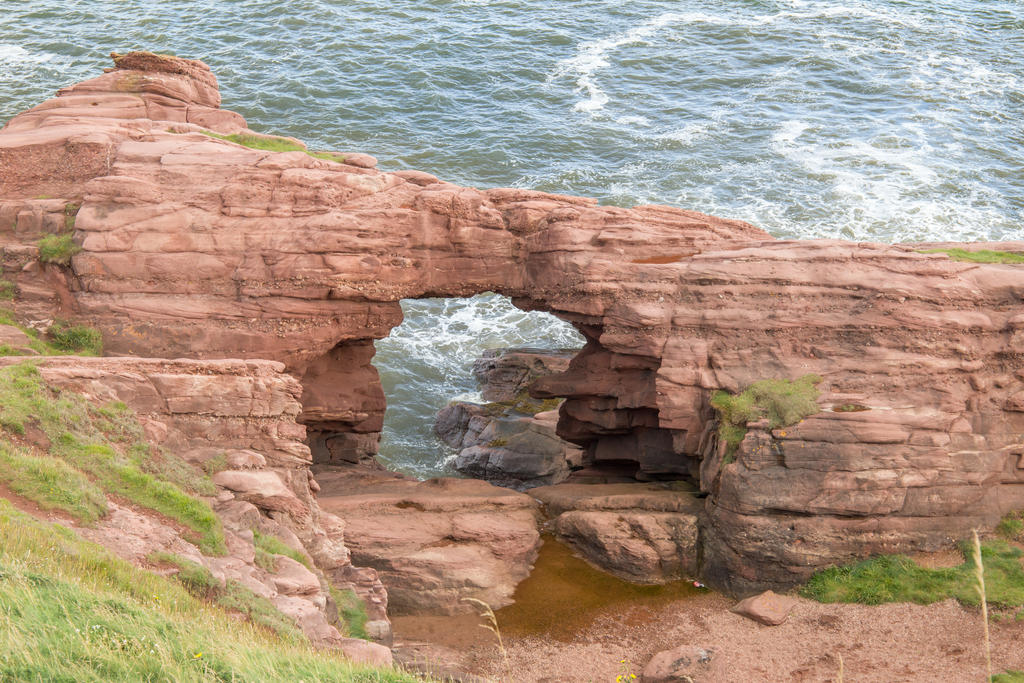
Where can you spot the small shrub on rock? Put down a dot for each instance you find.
(76, 338)
(784, 402)
(57, 249)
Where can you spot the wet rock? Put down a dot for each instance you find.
(511, 441)
(504, 374)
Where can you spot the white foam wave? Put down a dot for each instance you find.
(830, 11)
(633, 121)
(688, 134)
(16, 59)
(788, 132)
(592, 56)
(426, 362)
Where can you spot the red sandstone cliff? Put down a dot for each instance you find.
(194, 246)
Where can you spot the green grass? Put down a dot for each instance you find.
(167, 466)
(1012, 526)
(7, 290)
(897, 578)
(784, 402)
(217, 463)
(87, 438)
(77, 339)
(273, 143)
(70, 215)
(272, 545)
(231, 595)
(979, 256)
(71, 611)
(351, 613)
(51, 483)
(57, 249)
(40, 346)
(1011, 676)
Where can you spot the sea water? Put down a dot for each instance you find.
(873, 120)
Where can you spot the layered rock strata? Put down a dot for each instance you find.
(435, 542)
(239, 416)
(192, 245)
(642, 532)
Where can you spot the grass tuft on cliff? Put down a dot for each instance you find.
(273, 143)
(57, 249)
(979, 256)
(91, 443)
(352, 615)
(76, 339)
(784, 402)
(1012, 526)
(72, 611)
(231, 596)
(897, 578)
(268, 545)
(72, 347)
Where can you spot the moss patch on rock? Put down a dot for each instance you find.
(979, 255)
(783, 402)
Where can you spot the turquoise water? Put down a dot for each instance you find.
(863, 119)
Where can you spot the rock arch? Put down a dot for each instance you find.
(195, 246)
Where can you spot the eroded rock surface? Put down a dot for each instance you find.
(435, 542)
(194, 246)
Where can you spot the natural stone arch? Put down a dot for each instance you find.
(195, 246)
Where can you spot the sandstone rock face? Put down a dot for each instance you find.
(645, 533)
(243, 412)
(504, 374)
(196, 246)
(435, 542)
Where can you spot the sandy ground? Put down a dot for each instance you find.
(887, 643)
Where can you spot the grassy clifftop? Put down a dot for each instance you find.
(72, 611)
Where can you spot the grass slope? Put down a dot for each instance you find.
(90, 449)
(72, 612)
(897, 578)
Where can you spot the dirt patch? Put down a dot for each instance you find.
(942, 559)
(897, 642)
